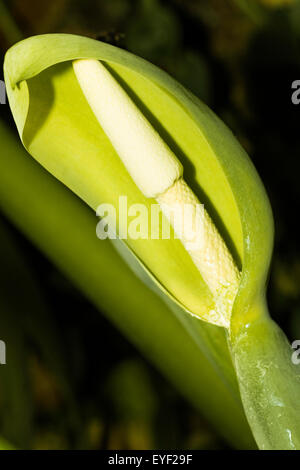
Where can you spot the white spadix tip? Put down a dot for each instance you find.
(158, 174)
(149, 161)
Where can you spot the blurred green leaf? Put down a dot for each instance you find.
(64, 228)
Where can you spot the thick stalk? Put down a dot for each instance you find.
(269, 382)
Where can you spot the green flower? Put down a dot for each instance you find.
(107, 123)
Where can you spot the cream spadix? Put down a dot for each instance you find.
(158, 173)
(150, 162)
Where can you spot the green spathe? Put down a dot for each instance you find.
(50, 110)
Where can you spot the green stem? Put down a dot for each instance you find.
(269, 383)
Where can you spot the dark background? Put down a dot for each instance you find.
(241, 58)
